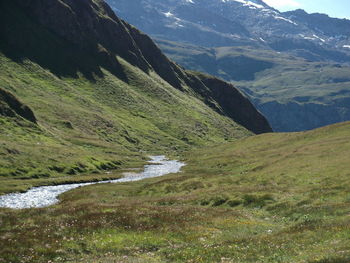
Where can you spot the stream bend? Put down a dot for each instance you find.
(44, 196)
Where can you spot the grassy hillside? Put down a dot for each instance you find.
(267, 198)
(293, 93)
(91, 95)
(86, 126)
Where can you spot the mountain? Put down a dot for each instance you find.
(213, 23)
(294, 94)
(293, 66)
(83, 92)
(336, 30)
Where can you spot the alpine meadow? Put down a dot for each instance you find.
(112, 152)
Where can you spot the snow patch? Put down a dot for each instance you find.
(309, 38)
(285, 19)
(168, 14)
(250, 4)
(177, 22)
(315, 36)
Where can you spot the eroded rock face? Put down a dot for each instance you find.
(10, 106)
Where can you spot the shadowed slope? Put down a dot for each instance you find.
(10, 106)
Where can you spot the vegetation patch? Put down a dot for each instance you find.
(220, 208)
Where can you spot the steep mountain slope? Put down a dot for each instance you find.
(100, 91)
(293, 66)
(268, 198)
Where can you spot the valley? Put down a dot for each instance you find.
(96, 109)
(86, 100)
(267, 198)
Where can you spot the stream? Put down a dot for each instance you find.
(44, 196)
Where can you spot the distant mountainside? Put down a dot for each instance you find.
(293, 93)
(213, 23)
(82, 90)
(337, 30)
(294, 66)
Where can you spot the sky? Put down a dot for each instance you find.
(334, 8)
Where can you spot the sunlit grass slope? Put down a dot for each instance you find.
(268, 198)
(89, 126)
(101, 95)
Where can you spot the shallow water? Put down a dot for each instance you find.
(48, 195)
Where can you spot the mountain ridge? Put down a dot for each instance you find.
(143, 52)
(246, 22)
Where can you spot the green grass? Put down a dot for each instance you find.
(268, 198)
(86, 128)
(97, 113)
